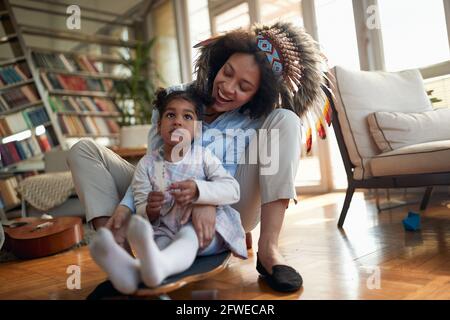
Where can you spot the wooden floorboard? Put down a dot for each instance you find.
(335, 264)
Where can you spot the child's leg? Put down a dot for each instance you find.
(122, 269)
(163, 241)
(156, 265)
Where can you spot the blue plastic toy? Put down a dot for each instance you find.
(412, 222)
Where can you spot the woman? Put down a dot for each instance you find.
(244, 77)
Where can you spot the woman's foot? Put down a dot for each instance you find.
(272, 267)
(270, 256)
(121, 268)
(140, 236)
(270, 263)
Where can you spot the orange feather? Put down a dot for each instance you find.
(321, 129)
(308, 140)
(327, 112)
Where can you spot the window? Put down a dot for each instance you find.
(281, 10)
(166, 48)
(309, 173)
(414, 33)
(236, 17)
(199, 27)
(336, 31)
(440, 95)
(337, 38)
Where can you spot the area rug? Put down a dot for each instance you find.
(6, 256)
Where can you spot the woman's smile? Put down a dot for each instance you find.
(222, 98)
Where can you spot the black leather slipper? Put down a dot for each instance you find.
(283, 278)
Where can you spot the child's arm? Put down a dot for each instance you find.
(221, 188)
(142, 187)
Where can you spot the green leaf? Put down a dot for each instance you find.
(140, 87)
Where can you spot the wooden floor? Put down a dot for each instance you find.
(372, 258)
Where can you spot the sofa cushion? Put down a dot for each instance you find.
(361, 93)
(393, 130)
(425, 157)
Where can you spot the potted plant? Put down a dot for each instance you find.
(134, 95)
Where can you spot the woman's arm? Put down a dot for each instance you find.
(127, 200)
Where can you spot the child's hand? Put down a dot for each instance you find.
(184, 192)
(154, 203)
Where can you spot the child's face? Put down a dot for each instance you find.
(179, 114)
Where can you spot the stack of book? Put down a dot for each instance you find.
(78, 94)
(56, 67)
(17, 97)
(13, 74)
(64, 62)
(87, 126)
(36, 145)
(36, 117)
(21, 121)
(54, 81)
(82, 105)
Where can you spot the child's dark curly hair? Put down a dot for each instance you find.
(163, 99)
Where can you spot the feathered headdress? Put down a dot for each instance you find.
(296, 60)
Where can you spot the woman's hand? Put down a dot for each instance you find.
(155, 201)
(118, 224)
(185, 192)
(204, 222)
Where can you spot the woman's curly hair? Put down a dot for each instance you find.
(274, 91)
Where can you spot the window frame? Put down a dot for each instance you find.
(369, 42)
(220, 6)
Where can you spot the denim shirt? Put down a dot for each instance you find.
(227, 137)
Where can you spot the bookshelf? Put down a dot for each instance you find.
(77, 87)
(79, 95)
(26, 128)
(68, 93)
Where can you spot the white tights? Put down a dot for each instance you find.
(153, 265)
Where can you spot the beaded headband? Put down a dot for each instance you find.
(282, 54)
(271, 52)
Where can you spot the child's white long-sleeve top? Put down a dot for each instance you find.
(215, 185)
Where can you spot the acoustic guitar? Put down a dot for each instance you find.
(29, 238)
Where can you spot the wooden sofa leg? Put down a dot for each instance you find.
(426, 198)
(248, 240)
(348, 199)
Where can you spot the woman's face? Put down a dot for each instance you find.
(236, 82)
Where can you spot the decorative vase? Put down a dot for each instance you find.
(134, 136)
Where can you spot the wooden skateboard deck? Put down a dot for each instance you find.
(202, 268)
